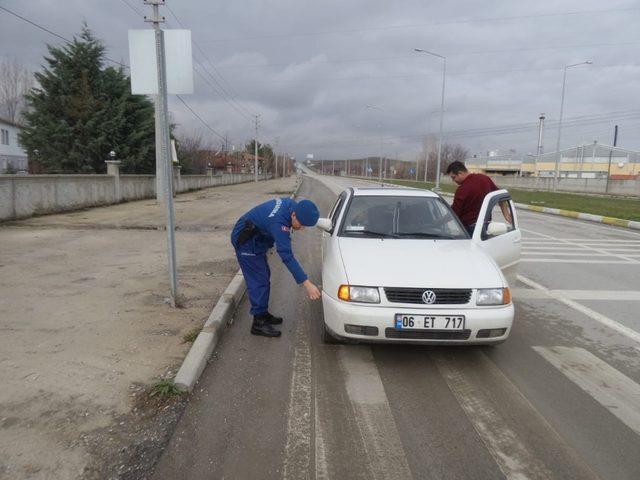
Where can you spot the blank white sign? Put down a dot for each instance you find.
(142, 59)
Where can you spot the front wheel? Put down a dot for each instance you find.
(327, 337)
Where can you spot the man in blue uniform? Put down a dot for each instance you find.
(253, 235)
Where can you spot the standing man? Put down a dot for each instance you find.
(253, 235)
(472, 188)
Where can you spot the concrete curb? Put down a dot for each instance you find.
(618, 222)
(222, 315)
(589, 217)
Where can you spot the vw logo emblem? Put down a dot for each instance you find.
(428, 296)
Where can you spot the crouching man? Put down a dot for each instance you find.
(253, 235)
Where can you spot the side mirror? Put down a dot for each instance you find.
(324, 224)
(496, 228)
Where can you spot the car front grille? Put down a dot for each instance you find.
(444, 296)
(428, 334)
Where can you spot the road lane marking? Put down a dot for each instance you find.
(568, 254)
(610, 388)
(373, 414)
(551, 219)
(613, 295)
(322, 469)
(571, 260)
(493, 405)
(598, 317)
(584, 240)
(297, 452)
(631, 260)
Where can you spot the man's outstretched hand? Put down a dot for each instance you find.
(312, 290)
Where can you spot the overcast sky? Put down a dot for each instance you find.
(310, 68)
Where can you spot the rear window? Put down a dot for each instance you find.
(401, 217)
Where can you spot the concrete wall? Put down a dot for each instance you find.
(578, 185)
(22, 196)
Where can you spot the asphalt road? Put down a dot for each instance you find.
(560, 399)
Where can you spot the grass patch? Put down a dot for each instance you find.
(165, 389)
(191, 335)
(617, 207)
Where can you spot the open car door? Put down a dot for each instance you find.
(497, 231)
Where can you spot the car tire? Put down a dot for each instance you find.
(327, 337)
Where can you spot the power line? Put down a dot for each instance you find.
(200, 118)
(431, 24)
(495, 130)
(119, 63)
(235, 103)
(414, 75)
(54, 33)
(138, 12)
(403, 57)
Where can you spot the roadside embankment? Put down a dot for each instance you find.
(86, 329)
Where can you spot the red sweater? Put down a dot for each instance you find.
(468, 198)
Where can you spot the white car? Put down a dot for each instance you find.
(398, 266)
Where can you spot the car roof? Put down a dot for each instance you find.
(393, 191)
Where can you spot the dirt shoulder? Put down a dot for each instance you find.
(85, 328)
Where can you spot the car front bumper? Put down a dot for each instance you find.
(338, 313)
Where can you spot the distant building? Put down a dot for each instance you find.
(12, 155)
(589, 160)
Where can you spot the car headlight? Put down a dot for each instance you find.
(350, 293)
(493, 296)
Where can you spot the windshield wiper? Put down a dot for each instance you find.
(377, 234)
(424, 235)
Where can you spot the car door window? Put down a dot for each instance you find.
(501, 211)
(335, 211)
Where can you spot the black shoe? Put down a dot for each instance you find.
(261, 326)
(272, 320)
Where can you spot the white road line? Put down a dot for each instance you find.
(297, 452)
(611, 295)
(322, 470)
(612, 389)
(585, 246)
(509, 450)
(618, 295)
(598, 317)
(373, 414)
(550, 219)
(561, 247)
(569, 260)
(568, 254)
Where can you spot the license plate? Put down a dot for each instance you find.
(405, 321)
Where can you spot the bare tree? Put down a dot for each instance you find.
(194, 152)
(15, 83)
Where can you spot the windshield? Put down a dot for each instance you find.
(401, 217)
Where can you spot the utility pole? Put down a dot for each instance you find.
(539, 149)
(255, 151)
(163, 140)
(615, 143)
(417, 166)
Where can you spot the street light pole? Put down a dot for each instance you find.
(444, 78)
(381, 142)
(558, 156)
(255, 152)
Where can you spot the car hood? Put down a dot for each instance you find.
(418, 263)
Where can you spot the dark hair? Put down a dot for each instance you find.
(456, 167)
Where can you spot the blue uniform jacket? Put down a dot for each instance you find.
(273, 220)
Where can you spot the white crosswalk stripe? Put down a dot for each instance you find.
(612, 389)
(373, 414)
(564, 250)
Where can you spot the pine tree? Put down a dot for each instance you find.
(82, 110)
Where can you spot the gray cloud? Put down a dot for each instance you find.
(310, 68)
